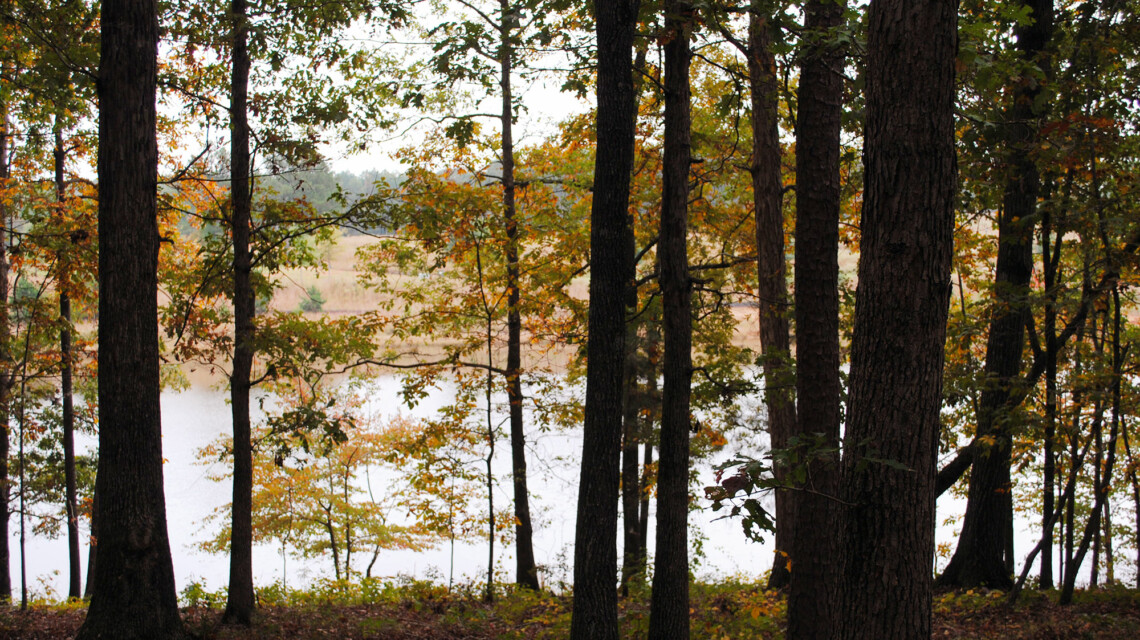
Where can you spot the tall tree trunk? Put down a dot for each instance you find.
(633, 429)
(631, 569)
(984, 554)
(611, 271)
(814, 574)
(1050, 267)
(240, 600)
(71, 504)
(900, 321)
(526, 573)
(767, 195)
(5, 365)
(134, 585)
(669, 605)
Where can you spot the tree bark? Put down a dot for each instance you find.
(134, 585)
(775, 344)
(900, 321)
(611, 271)
(240, 600)
(5, 366)
(984, 554)
(669, 603)
(71, 504)
(814, 574)
(526, 573)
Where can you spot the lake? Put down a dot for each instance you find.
(194, 418)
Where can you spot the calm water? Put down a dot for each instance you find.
(194, 418)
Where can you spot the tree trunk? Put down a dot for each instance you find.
(611, 271)
(767, 194)
(526, 573)
(5, 363)
(669, 604)
(134, 585)
(984, 553)
(631, 569)
(814, 574)
(891, 441)
(1050, 267)
(71, 504)
(1104, 483)
(92, 548)
(240, 600)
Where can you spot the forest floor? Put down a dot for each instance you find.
(732, 610)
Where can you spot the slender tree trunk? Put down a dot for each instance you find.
(1050, 267)
(5, 366)
(669, 605)
(1135, 482)
(643, 508)
(984, 554)
(611, 271)
(92, 548)
(134, 593)
(526, 573)
(767, 195)
(489, 591)
(633, 429)
(240, 601)
(1102, 486)
(71, 504)
(901, 307)
(814, 574)
(631, 569)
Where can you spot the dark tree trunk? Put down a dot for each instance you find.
(767, 194)
(134, 593)
(631, 568)
(240, 600)
(633, 430)
(71, 504)
(526, 573)
(900, 321)
(5, 362)
(611, 270)
(1050, 267)
(643, 508)
(92, 548)
(669, 604)
(984, 554)
(814, 574)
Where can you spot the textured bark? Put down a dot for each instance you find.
(71, 504)
(134, 585)
(240, 600)
(669, 604)
(814, 572)
(526, 573)
(900, 321)
(984, 554)
(767, 194)
(611, 270)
